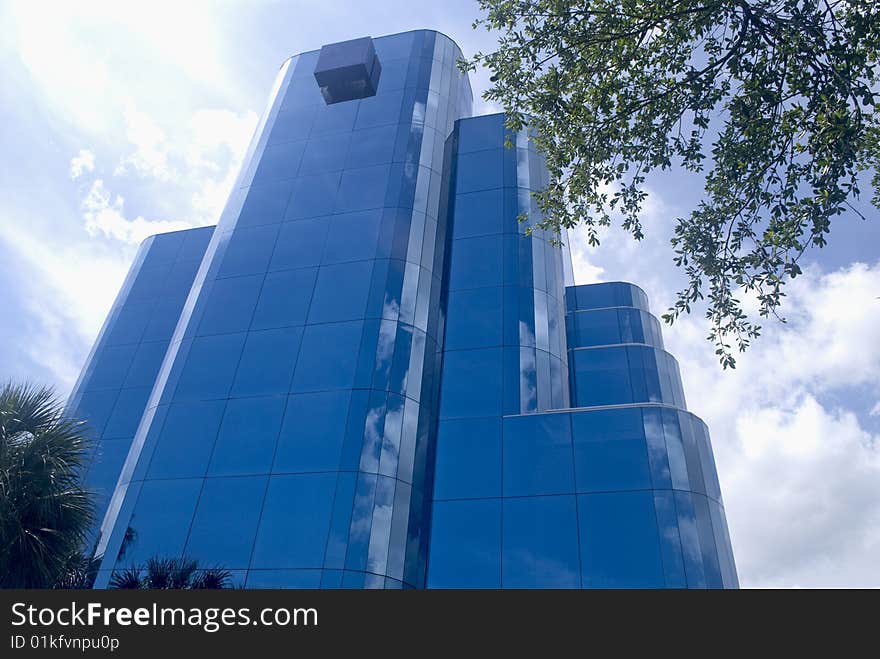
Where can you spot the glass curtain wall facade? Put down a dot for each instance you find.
(377, 377)
(116, 381)
(289, 432)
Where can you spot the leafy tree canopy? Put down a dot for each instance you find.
(774, 102)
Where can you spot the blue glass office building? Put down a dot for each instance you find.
(370, 375)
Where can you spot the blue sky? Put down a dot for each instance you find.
(123, 119)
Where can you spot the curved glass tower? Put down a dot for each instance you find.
(377, 378)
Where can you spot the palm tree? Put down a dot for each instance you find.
(45, 513)
(171, 573)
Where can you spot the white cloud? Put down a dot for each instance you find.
(68, 289)
(219, 139)
(799, 472)
(802, 494)
(82, 162)
(103, 213)
(800, 475)
(150, 155)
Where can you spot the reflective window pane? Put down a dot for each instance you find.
(187, 440)
(471, 383)
(295, 521)
(619, 541)
(300, 244)
(540, 543)
(160, 521)
(210, 367)
(341, 292)
(226, 519)
(474, 318)
(468, 462)
(474, 563)
(313, 432)
(284, 298)
(230, 305)
(247, 436)
(610, 451)
(335, 344)
(267, 362)
(537, 455)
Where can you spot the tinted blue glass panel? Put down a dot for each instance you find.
(148, 284)
(226, 520)
(595, 328)
(179, 281)
(468, 463)
(471, 383)
(160, 521)
(230, 305)
(594, 297)
(610, 451)
(95, 407)
(379, 110)
(479, 213)
(334, 119)
(300, 244)
(292, 124)
(247, 436)
(341, 292)
(106, 465)
(691, 454)
(537, 455)
(279, 161)
(266, 365)
(675, 450)
(362, 189)
(210, 367)
(163, 321)
(481, 133)
(195, 242)
(337, 542)
(313, 195)
(325, 154)
(353, 236)
(601, 377)
(690, 541)
(471, 563)
(164, 248)
(474, 318)
(265, 203)
(540, 546)
(297, 579)
(187, 440)
(361, 522)
(658, 459)
(707, 541)
(131, 322)
(476, 262)
(328, 357)
(249, 251)
(619, 541)
(373, 146)
(127, 413)
(670, 540)
(145, 364)
(284, 298)
(481, 170)
(111, 367)
(312, 435)
(295, 521)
